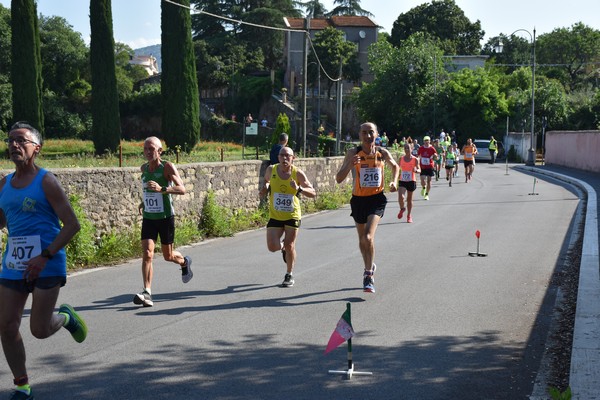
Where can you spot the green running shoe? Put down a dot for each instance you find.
(76, 324)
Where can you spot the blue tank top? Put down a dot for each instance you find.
(32, 225)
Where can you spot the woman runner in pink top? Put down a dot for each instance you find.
(409, 167)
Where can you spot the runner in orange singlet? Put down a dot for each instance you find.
(469, 150)
(366, 162)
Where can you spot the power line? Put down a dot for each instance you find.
(542, 65)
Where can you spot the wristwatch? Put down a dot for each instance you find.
(163, 189)
(46, 254)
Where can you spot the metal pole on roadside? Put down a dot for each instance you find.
(304, 80)
(243, 139)
(544, 124)
(338, 135)
(506, 144)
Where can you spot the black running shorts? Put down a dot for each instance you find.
(411, 186)
(292, 223)
(153, 228)
(363, 206)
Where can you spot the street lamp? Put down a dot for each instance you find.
(531, 154)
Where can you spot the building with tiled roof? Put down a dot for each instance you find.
(357, 29)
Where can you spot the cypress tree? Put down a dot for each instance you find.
(179, 85)
(26, 71)
(106, 127)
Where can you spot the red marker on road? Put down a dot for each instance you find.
(478, 254)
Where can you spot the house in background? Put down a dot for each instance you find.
(357, 29)
(461, 62)
(148, 62)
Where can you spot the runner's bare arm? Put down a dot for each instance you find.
(395, 168)
(349, 161)
(172, 175)
(307, 188)
(267, 180)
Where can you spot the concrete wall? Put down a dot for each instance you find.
(110, 196)
(574, 149)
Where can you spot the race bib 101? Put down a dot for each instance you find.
(153, 202)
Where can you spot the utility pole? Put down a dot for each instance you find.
(304, 85)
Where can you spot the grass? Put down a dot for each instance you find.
(74, 153)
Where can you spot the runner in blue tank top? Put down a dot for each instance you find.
(32, 207)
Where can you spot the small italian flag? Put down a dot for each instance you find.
(343, 331)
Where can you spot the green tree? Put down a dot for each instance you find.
(65, 56)
(5, 104)
(127, 74)
(334, 51)
(66, 75)
(572, 53)
(221, 34)
(212, 72)
(106, 127)
(473, 102)
(269, 41)
(179, 87)
(400, 98)
(26, 74)
(5, 40)
(444, 21)
(207, 26)
(5, 85)
(516, 52)
(314, 9)
(348, 7)
(282, 125)
(552, 102)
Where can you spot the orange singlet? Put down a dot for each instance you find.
(367, 175)
(407, 169)
(468, 152)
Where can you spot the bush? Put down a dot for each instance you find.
(512, 155)
(59, 122)
(81, 250)
(86, 249)
(282, 125)
(146, 102)
(214, 220)
(221, 129)
(118, 246)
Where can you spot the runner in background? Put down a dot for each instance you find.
(409, 167)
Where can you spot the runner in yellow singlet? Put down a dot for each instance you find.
(366, 162)
(285, 183)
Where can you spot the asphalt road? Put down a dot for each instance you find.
(442, 325)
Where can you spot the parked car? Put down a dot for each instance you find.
(483, 152)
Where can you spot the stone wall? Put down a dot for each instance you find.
(110, 196)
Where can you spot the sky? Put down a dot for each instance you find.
(137, 22)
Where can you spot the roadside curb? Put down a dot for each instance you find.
(585, 355)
